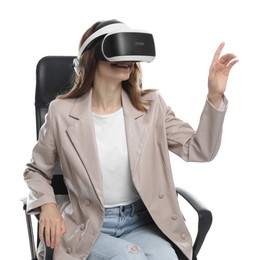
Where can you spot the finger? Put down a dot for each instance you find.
(231, 64)
(41, 230)
(218, 52)
(227, 58)
(58, 234)
(47, 235)
(63, 228)
(52, 236)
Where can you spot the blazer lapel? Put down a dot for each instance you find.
(136, 131)
(82, 137)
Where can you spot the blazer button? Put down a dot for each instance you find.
(183, 236)
(82, 227)
(68, 250)
(87, 202)
(174, 216)
(161, 195)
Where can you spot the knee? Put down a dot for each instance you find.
(131, 252)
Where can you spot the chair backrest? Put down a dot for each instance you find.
(54, 75)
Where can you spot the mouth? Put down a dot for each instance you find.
(122, 65)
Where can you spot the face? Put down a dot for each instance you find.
(114, 71)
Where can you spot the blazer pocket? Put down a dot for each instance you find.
(76, 234)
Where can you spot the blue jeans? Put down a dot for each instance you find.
(129, 233)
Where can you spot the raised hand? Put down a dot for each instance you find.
(218, 74)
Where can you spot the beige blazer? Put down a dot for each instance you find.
(68, 134)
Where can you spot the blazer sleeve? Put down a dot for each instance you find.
(39, 171)
(201, 145)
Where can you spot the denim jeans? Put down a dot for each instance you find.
(129, 233)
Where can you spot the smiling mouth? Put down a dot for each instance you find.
(123, 65)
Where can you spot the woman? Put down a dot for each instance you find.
(112, 139)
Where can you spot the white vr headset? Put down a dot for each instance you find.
(117, 42)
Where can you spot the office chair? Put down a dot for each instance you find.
(53, 76)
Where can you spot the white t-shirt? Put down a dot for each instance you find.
(110, 134)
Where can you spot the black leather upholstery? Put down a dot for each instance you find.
(54, 75)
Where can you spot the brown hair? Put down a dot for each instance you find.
(83, 81)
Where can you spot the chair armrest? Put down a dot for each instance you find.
(204, 218)
(29, 230)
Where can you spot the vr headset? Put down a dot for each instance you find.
(117, 42)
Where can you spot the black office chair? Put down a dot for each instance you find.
(53, 76)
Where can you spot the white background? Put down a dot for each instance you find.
(186, 34)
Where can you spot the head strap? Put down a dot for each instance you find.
(102, 31)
